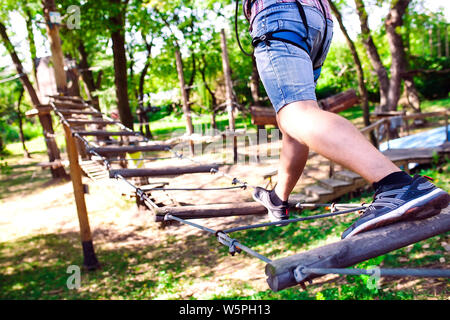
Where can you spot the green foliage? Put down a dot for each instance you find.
(4, 167)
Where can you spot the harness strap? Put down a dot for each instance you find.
(286, 36)
(319, 54)
(293, 37)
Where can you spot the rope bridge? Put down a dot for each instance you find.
(73, 113)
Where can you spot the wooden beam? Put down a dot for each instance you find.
(83, 122)
(67, 98)
(211, 211)
(356, 249)
(106, 133)
(129, 149)
(78, 111)
(157, 172)
(70, 105)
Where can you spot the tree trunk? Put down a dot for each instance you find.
(45, 120)
(373, 55)
(87, 75)
(254, 83)
(120, 65)
(19, 118)
(184, 95)
(140, 96)
(213, 96)
(31, 41)
(359, 71)
(394, 21)
(229, 91)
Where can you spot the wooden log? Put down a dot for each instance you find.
(84, 122)
(106, 133)
(166, 171)
(340, 102)
(356, 249)
(262, 116)
(79, 111)
(211, 211)
(128, 149)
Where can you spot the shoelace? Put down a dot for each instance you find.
(388, 199)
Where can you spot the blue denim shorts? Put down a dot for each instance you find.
(286, 71)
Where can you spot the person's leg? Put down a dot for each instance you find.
(335, 138)
(293, 157)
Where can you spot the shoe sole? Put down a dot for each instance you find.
(427, 206)
(272, 218)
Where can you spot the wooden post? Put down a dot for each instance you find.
(55, 47)
(184, 97)
(229, 90)
(90, 260)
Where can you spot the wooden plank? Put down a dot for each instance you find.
(356, 249)
(157, 172)
(70, 105)
(212, 211)
(84, 122)
(263, 116)
(106, 133)
(79, 111)
(67, 98)
(409, 154)
(340, 102)
(128, 149)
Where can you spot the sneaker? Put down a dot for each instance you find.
(418, 200)
(276, 213)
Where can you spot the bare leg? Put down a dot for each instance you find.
(333, 137)
(292, 162)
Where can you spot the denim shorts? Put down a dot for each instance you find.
(286, 71)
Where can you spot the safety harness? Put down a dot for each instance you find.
(293, 37)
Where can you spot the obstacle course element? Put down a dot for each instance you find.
(286, 272)
(281, 273)
(211, 211)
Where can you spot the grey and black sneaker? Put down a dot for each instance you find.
(276, 213)
(418, 200)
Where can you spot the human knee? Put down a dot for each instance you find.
(296, 114)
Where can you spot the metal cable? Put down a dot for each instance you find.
(382, 272)
(283, 223)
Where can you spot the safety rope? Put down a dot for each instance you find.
(283, 223)
(301, 272)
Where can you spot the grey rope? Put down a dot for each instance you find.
(283, 223)
(301, 272)
(233, 245)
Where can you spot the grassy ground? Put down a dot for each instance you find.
(142, 261)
